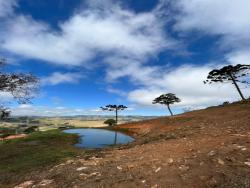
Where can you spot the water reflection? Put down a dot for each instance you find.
(99, 138)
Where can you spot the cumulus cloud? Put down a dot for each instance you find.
(222, 17)
(126, 40)
(227, 19)
(187, 83)
(86, 34)
(59, 78)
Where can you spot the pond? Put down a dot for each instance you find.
(98, 138)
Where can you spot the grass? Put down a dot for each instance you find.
(37, 151)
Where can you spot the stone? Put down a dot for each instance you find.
(81, 168)
(70, 162)
(158, 169)
(170, 160)
(184, 168)
(211, 153)
(247, 163)
(45, 182)
(221, 162)
(119, 167)
(25, 184)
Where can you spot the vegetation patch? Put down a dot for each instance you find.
(38, 151)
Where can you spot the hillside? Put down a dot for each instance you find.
(204, 148)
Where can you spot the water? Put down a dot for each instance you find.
(99, 138)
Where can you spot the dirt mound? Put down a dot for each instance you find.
(204, 148)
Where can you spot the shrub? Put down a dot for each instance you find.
(110, 122)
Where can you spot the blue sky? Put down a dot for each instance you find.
(89, 53)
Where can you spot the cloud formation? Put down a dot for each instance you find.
(126, 41)
(60, 78)
(88, 33)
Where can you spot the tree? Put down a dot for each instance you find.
(115, 108)
(4, 113)
(21, 86)
(167, 99)
(110, 122)
(231, 74)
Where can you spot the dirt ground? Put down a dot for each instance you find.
(205, 148)
(13, 137)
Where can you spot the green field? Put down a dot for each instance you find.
(39, 150)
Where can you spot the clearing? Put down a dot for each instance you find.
(204, 148)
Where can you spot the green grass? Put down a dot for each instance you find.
(37, 151)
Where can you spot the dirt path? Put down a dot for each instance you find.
(207, 148)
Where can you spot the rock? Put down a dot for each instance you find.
(247, 163)
(119, 167)
(211, 153)
(130, 166)
(170, 160)
(221, 162)
(85, 176)
(143, 181)
(95, 174)
(201, 163)
(158, 169)
(69, 161)
(184, 168)
(25, 184)
(81, 168)
(45, 182)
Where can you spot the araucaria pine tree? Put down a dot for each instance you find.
(114, 108)
(231, 74)
(167, 99)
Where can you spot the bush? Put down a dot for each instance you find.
(225, 103)
(110, 122)
(31, 129)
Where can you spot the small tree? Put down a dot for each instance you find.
(229, 73)
(115, 108)
(4, 113)
(110, 122)
(167, 99)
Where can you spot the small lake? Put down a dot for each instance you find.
(99, 138)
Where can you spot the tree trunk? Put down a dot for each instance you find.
(237, 87)
(115, 141)
(116, 116)
(170, 110)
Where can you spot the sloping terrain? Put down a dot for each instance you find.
(205, 148)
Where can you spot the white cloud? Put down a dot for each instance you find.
(187, 83)
(126, 40)
(59, 78)
(6, 7)
(224, 18)
(87, 34)
(218, 17)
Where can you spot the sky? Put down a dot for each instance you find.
(90, 53)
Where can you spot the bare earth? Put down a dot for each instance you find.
(206, 148)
